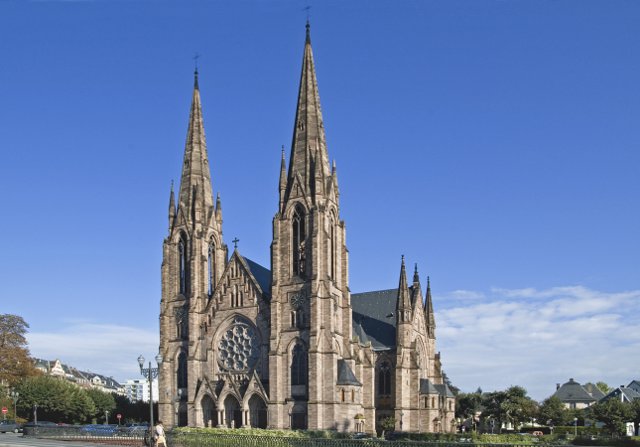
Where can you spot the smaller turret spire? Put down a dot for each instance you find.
(428, 310)
(218, 208)
(172, 207)
(283, 178)
(403, 303)
(416, 277)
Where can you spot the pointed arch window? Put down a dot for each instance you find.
(211, 253)
(299, 236)
(384, 379)
(299, 365)
(182, 265)
(181, 376)
(332, 250)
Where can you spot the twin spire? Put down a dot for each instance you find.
(309, 158)
(195, 196)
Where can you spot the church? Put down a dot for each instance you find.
(289, 347)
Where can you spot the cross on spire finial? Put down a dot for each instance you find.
(195, 59)
(308, 26)
(195, 72)
(235, 243)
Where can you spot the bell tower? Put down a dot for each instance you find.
(310, 308)
(194, 257)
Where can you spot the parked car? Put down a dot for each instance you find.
(9, 425)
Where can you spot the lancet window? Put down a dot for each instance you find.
(384, 379)
(182, 265)
(299, 236)
(211, 253)
(299, 365)
(182, 377)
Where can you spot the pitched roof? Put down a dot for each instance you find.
(594, 391)
(624, 393)
(426, 387)
(572, 391)
(374, 313)
(261, 274)
(345, 375)
(634, 385)
(445, 390)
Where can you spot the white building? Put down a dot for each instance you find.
(138, 389)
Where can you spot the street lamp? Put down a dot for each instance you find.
(15, 395)
(150, 374)
(575, 428)
(35, 414)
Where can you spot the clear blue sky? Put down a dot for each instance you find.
(494, 142)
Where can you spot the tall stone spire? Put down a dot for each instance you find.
(428, 311)
(196, 176)
(309, 147)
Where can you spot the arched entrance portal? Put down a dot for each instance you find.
(257, 412)
(209, 413)
(232, 412)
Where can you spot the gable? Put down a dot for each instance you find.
(239, 287)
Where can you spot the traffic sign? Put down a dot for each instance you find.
(119, 416)
(4, 410)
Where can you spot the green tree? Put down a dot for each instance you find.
(102, 401)
(57, 400)
(613, 414)
(509, 406)
(468, 404)
(388, 425)
(15, 362)
(606, 389)
(553, 412)
(635, 414)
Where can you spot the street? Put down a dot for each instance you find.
(13, 439)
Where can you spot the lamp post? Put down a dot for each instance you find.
(150, 374)
(35, 414)
(15, 395)
(575, 427)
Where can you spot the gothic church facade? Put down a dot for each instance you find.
(289, 346)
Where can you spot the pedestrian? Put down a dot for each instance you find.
(161, 440)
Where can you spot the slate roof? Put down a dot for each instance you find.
(426, 387)
(572, 391)
(445, 390)
(345, 375)
(634, 385)
(261, 274)
(594, 391)
(374, 313)
(627, 394)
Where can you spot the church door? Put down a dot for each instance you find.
(209, 413)
(257, 412)
(232, 412)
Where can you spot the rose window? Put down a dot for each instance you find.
(238, 348)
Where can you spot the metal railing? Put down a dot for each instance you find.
(108, 434)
